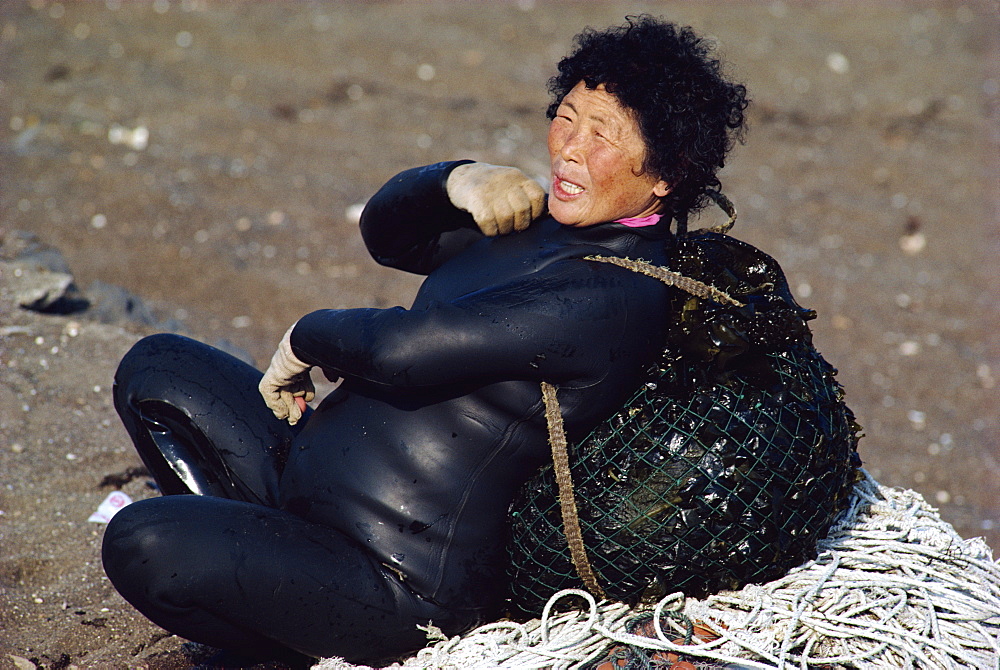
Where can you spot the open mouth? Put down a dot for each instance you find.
(569, 187)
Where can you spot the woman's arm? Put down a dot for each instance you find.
(410, 223)
(423, 217)
(556, 330)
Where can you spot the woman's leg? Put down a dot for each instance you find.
(198, 421)
(260, 581)
(228, 573)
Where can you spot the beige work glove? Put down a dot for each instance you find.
(286, 379)
(501, 199)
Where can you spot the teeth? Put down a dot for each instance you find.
(570, 188)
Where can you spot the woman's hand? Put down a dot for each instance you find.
(501, 199)
(286, 385)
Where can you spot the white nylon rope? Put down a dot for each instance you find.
(893, 586)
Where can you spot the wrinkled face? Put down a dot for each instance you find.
(596, 153)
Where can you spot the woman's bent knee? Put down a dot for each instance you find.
(136, 541)
(148, 349)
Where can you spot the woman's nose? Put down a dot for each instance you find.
(571, 149)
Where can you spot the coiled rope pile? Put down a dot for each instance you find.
(892, 586)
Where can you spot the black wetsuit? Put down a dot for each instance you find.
(388, 507)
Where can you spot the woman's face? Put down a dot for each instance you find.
(596, 153)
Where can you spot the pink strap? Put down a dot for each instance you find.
(642, 222)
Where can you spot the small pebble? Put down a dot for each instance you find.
(426, 72)
(841, 322)
(985, 376)
(838, 63)
(913, 244)
(917, 418)
(136, 139)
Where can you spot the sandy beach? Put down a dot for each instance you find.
(199, 166)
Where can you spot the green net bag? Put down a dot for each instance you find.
(723, 469)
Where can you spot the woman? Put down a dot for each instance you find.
(339, 531)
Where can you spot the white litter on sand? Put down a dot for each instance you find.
(107, 509)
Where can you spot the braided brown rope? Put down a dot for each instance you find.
(557, 434)
(727, 206)
(670, 278)
(567, 499)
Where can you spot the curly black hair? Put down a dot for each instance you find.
(690, 116)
